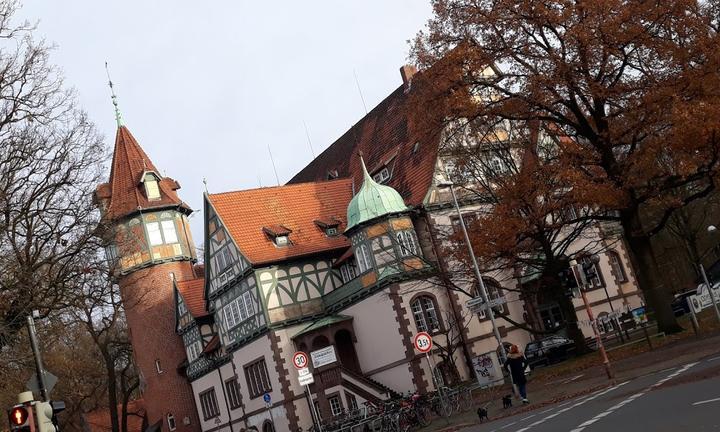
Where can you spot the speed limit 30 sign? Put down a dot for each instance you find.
(423, 342)
(300, 360)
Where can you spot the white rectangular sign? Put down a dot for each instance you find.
(703, 296)
(323, 356)
(305, 377)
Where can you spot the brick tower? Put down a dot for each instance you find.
(149, 243)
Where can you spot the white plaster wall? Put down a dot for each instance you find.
(398, 378)
(202, 384)
(248, 354)
(377, 332)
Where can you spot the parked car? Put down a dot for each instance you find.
(680, 305)
(549, 350)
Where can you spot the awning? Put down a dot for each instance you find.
(322, 323)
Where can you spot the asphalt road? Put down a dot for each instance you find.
(686, 398)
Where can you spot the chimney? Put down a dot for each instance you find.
(407, 72)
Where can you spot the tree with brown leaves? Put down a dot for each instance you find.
(631, 89)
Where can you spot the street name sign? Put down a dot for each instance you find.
(423, 342)
(323, 356)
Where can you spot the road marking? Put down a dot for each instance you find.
(632, 398)
(707, 401)
(573, 379)
(530, 416)
(577, 404)
(713, 359)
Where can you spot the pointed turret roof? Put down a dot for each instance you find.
(125, 194)
(372, 201)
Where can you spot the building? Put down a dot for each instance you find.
(346, 255)
(346, 259)
(145, 225)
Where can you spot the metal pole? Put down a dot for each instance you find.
(601, 347)
(39, 369)
(483, 290)
(313, 412)
(695, 325)
(710, 290)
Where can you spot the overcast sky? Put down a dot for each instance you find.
(205, 87)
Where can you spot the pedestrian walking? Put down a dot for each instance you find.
(516, 364)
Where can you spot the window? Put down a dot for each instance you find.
(171, 422)
(223, 258)
(596, 280)
(351, 401)
(151, 187)
(494, 292)
(193, 351)
(239, 310)
(348, 271)
(406, 241)
(157, 231)
(268, 426)
(382, 176)
(331, 232)
(158, 366)
(336, 407)
(168, 229)
(182, 309)
(617, 266)
(256, 376)
(363, 258)
(232, 389)
(425, 314)
(111, 253)
(552, 317)
(281, 240)
(208, 404)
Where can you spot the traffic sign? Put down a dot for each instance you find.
(423, 342)
(300, 360)
(266, 398)
(305, 377)
(50, 381)
(477, 304)
(323, 356)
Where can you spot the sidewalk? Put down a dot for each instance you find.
(584, 375)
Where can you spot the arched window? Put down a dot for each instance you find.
(171, 422)
(362, 255)
(268, 426)
(406, 243)
(425, 313)
(617, 266)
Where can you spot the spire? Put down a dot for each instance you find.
(118, 116)
(373, 200)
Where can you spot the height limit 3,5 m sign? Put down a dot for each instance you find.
(423, 342)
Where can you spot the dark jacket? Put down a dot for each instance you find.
(517, 364)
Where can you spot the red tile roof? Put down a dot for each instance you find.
(295, 207)
(124, 193)
(385, 135)
(193, 292)
(99, 420)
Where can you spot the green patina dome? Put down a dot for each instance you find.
(372, 201)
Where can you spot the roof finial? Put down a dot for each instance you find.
(205, 184)
(118, 116)
(362, 162)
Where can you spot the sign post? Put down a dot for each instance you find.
(423, 343)
(305, 378)
(268, 403)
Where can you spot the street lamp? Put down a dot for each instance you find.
(483, 289)
(711, 229)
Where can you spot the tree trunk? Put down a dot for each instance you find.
(573, 330)
(112, 392)
(657, 296)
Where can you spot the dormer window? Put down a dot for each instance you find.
(329, 225)
(152, 190)
(382, 176)
(278, 234)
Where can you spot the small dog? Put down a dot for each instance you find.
(482, 413)
(507, 401)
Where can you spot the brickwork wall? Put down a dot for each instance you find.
(150, 309)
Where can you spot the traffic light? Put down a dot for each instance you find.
(21, 418)
(45, 416)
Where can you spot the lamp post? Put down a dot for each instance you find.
(476, 269)
(711, 230)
